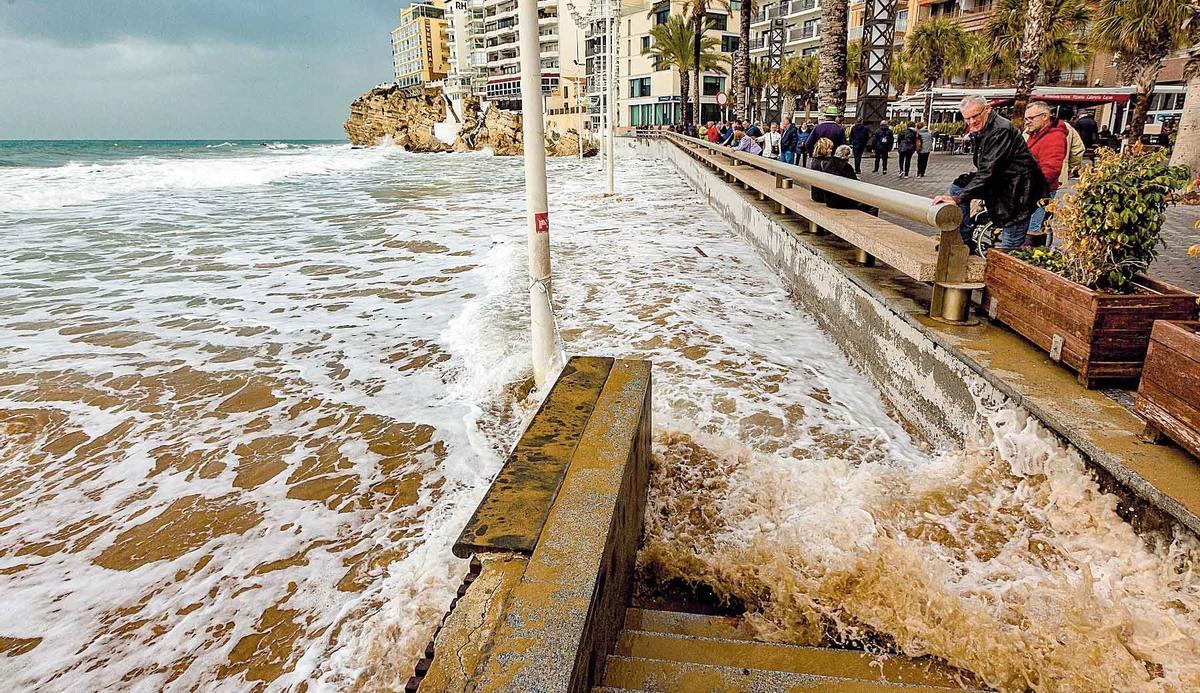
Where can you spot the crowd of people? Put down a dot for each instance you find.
(1016, 172)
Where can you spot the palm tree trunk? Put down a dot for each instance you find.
(1029, 58)
(742, 70)
(1187, 140)
(928, 102)
(1145, 76)
(684, 92)
(833, 54)
(698, 18)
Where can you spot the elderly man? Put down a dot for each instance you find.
(1048, 140)
(1006, 177)
(788, 139)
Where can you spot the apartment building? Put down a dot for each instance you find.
(649, 93)
(468, 57)
(802, 27)
(420, 48)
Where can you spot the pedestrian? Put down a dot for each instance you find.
(770, 141)
(802, 144)
(822, 152)
(829, 128)
(924, 147)
(839, 165)
(788, 140)
(713, 133)
(906, 147)
(860, 135)
(881, 145)
(745, 143)
(1049, 142)
(1007, 177)
(752, 129)
(727, 132)
(1085, 125)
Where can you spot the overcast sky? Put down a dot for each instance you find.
(188, 69)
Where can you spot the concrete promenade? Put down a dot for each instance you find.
(1173, 264)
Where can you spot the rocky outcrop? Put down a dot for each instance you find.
(408, 117)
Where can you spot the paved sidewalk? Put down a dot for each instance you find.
(1173, 264)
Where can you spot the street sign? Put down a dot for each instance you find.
(722, 99)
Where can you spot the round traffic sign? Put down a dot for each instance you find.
(722, 98)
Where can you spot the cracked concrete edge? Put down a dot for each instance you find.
(1123, 461)
(464, 641)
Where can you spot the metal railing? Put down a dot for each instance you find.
(944, 216)
(952, 286)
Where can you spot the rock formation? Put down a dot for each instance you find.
(408, 117)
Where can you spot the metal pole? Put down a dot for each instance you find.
(611, 32)
(537, 215)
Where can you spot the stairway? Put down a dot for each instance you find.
(691, 653)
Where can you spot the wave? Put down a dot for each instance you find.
(83, 183)
(223, 145)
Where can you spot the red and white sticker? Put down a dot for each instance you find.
(541, 222)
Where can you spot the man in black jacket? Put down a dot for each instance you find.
(788, 140)
(860, 134)
(1007, 177)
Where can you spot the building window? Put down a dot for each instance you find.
(729, 44)
(645, 43)
(902, 20)
(639, 87)
(719, 22)
(661, 13)
(713, 85)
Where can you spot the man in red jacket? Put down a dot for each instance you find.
(1047, 140)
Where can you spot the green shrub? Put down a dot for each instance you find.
(1110, 228)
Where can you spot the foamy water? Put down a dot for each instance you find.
(248, 402)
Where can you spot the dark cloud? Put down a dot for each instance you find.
(277, 23)
(186, 68)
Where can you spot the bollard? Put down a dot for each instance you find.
(863, 258)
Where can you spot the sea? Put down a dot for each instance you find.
(250, 392)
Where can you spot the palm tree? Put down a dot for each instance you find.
(1062, 43)
(853, 61)
(671, 46)
(697, 12)
(833, 53)
(1187, 139)
(741, 71)
(760, 77)
(932, 50)
(1140, 33)
(798, 78)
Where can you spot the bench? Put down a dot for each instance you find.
(942, 261)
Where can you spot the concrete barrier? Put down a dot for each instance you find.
(934, 374)
(556, 537)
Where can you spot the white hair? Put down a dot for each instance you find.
(843, 151)
(973, 99)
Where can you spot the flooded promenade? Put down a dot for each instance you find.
(249, 400)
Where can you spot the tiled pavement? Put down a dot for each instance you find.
(1173, 264)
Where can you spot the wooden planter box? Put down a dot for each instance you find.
(1169, 395)
(1099, 336)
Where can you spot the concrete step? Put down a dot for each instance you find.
(635, 673)
(681, 623)
(777, 657)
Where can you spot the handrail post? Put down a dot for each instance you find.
(951, 301)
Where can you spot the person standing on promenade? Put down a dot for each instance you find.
(727, 132)
(752, 129)
(821, 154)
(924, 147)
(770, 141)
(1085, 125)
(1006, 177)
(802, 145)
(860, 136)
(906, 146)
(788, 140)
(881, 144)
(829, 128)
(1048, 141)
(713, 134)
